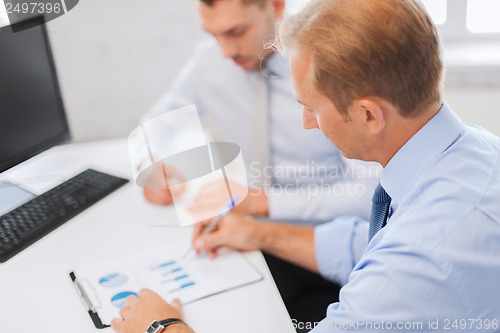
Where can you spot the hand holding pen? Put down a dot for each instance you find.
(214, 222)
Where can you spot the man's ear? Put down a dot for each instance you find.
(371, 112)
(279, 7)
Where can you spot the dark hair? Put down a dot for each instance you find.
(245, 2)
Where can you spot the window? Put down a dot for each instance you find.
(482, 16)
(471, 42)
(456, 19)
(470, 35)
(470, 20)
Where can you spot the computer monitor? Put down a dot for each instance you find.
(32, 116)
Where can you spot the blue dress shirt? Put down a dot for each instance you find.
(313, 181)
(435, 267)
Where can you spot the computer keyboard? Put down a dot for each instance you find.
(34, 219)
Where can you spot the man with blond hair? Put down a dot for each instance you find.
(369, 75)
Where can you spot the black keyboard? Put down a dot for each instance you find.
(34, 219)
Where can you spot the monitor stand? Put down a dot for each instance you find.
(12, 196)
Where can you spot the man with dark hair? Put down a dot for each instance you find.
(305, 180)
(222, 80)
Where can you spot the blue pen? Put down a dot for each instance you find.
(229, 206)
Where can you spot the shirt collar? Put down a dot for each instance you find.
(277, 65)
(402, 171)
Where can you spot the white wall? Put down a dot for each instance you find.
(115, 57)
(472, 82)
(476, 105)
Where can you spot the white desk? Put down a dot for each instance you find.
(36, 294)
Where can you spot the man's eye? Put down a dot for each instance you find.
(237, 33)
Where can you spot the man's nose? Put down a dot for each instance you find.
(309, 120)
(229, 47)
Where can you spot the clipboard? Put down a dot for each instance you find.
(103, 287)
(87, 302)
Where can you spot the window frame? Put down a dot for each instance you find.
(454, 29)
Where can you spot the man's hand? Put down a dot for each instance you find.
(160, 197)
(139, 312)
(157, 185)
(235, 231)
(210, 197)
(294, 243)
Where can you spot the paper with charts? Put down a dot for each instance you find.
(107, 285)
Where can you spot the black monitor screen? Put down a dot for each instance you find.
(32, 116)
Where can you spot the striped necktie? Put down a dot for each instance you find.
(381, 202)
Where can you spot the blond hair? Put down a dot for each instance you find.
(360, 48)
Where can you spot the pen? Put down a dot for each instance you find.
(211, 226)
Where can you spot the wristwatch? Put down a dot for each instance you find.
(158, 326)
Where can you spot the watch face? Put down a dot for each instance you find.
(155, 327)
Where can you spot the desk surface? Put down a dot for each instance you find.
(36, 292)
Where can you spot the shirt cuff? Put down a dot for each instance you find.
(339, 245)
(316, 204)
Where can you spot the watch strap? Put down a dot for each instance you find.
(157, 326)
(171, 321)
